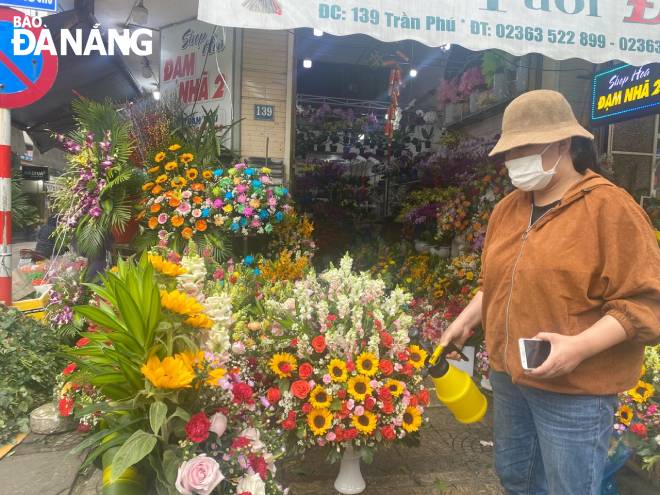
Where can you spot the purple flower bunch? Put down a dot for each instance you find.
(67, 292)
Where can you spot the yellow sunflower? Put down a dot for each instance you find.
(160, 157)
(366, 423)
(165, 267)
(319, 398)
(625, 414)
(172, 372)
(214, 376)
(417, 356)
(412, 420)
(169, 166)
(319, 421)
(207, 174)
(179, 182)
(283, 364)
(395, 387)
(161, 178)
(199, 321)
(186, 157)
(174, 147)
(641, 392)
(153, 170)
(147, 186)
(367, 364)
(337, 370)
(191, 173)
(359, 387)
(180, 303)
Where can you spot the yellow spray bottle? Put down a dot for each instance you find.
(455, 388)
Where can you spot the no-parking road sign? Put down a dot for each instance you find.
(23, 78)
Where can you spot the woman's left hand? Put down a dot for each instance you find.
(566, 353)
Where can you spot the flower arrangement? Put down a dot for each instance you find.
(65, 273)
(470, 80)
(447, 92)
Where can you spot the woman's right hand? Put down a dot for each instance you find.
(457, 333)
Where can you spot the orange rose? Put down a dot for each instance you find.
(200, 225)
(177, 220)
(174, 203)
(155, 208)
(186, 233)
(157, 190)
(153, 222)
(198, 187)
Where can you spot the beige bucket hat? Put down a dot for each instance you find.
(538, 117)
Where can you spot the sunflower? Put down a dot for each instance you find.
(395, 387)
(367, 364)
(337, 370)
(214, 376)
(359, 387)
(174, 147)
(366, 423)
(147, 186)
(179, 182)
(180, 303)
(641, 392)
(153, 170)
(186, 157)
(199, 321)
(160, 157)
(161, 178)
(169, 166)
(417, 356)
(319, 421)
(171, 372)
(625, 414)
(319, 398)
(191, 173)
(412, 419)
(165, 267)
(283, 364)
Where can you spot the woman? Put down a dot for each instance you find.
(572, 259)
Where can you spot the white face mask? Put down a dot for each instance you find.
(527, 172)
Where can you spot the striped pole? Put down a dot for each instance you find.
(5, 206)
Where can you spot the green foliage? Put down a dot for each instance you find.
(28, 365)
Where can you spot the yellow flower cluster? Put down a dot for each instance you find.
(184, 305)
(284, 268)
(173, 372)
(165, 267)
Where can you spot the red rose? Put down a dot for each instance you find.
(350, 366)
(242, 394)
(82, 342)
(240, 442)
(71, 367)
(639, 430)
(386, 340)
(318, 343)
(197, 429)
(386, 367)
(294, 342)
(424, 397)
(388, 407)
(413, 401)
(306, 408)
(300, 388)
(369, 403)
(66, 406)
(273, 395)
(341, 394)
(305, 371)
(339, 432)
(384, 393)
(351, 434)
(408, 369)
(290, 422)
(388, 432)
(403, 356)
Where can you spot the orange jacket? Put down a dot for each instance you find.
(594, 254)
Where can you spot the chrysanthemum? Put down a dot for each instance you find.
(180, 303)
(170, 373)
(359, 387)
(337, 370)
(367, 364)
(199, 321)
(186, 157)
(412, 419)
(625, 414)
(320, 398)
(641, 392)
(417, 356)
(319, 421)
(165, 267)
(283, 364)
(366, 423)
(395, 387)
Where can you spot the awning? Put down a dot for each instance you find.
(594, 30)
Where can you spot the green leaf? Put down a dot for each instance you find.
(181, 413)
(157, 415)
(95, 315)
(139, 445)
(99, 436)
(130, 313)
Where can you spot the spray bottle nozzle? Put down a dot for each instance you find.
(437, 362)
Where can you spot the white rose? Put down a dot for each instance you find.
(251, 483)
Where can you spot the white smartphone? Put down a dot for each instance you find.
(533, 352)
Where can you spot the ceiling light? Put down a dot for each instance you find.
(413, 72)
(156, 94)
(307, 63)
(318, 32)
(140, 14)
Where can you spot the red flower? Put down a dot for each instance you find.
(71, 367)
(82, 342)
(350, 366)
(388, 432)
(331, 318)
(305, 371)
(408, 369)
(300, 388)
(83, 428)
(197, 429)
(233, 278)
(403, 357)
(273, 395)
(639, 430)
(386, 340)
(294, 342)
(384, 393)
(340, 432)
(306, 408)
(424, 397)
(258, 464)
(242, 394)
(386, 367)
(66, 406)
(290, 422)
(285, 367)
(318, 343)
(388, 407)
(351, 434)
(369, 403)
(413, 401)
(341, 394)
(240, 442)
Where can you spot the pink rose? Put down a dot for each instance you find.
(186, 194)
(197, 213)
(218, 424)
(200, 475)
(162, 218)
(331, 436)
(359, 411)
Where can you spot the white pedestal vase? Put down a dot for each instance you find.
(350, 480)
(485, 384)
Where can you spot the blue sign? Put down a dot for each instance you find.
(264, 112)
(46, 5)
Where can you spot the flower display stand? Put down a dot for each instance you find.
(349, 480)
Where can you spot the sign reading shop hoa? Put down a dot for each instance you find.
(625, 92)
(45, 5)
(595, 30)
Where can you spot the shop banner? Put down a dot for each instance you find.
(595, 30)
(32, 172)
(625, 92)
(196, 66)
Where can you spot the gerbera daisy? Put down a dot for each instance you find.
(337, 370)
(412, 419)
(283, 364)
(159, 157)
(186, 157)
(395, 387)
(641, 392)
(169, 166)
(174, 147)
(191, 173)
(367, 364)
(417, 356)
(359, 387)
(366, 423)
(319, 421)
(319, 398)
(625, 414)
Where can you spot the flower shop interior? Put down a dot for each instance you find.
(236, 257)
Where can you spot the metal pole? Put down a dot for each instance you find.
(5, 206)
